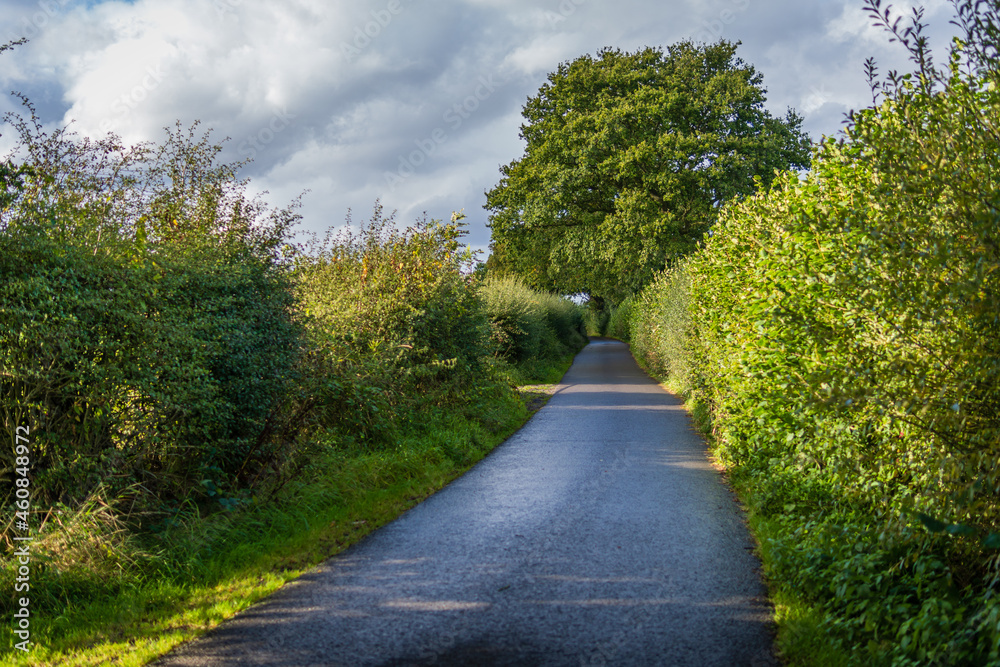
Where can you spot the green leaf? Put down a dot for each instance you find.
(959, 529)
(991, 541)
(932, 524)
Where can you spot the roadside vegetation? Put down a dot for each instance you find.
(214, 407)
(838, 337)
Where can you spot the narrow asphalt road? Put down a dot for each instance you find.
(599, 534)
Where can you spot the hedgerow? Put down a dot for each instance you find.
(527, 324)
(181, 359)
(146, 332)
(393, 322)
(842, 329)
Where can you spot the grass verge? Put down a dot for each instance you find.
(801, 640)
(215, 567)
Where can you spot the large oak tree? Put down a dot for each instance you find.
(628, 158)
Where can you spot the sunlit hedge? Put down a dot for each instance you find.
(166, 338)
(145, 318)
(844, 329)
(393, 321)
(527, 324)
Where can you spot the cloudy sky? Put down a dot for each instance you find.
(411, 101)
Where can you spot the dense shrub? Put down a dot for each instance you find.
(565, 320)
(527, 324)
(516, 318)
(160, 332)
(843, 328)
(657, 321)
(145, 318)
(620, 319)
(595, 319)
(393, 323)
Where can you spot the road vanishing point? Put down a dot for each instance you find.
(599, 534)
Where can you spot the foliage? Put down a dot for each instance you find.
(842, 328)
(628, 157)
(657, 323)
(526, 324)
(187, 371)
(595, 319)
(393, 322)
(146, 331)
(620, 318)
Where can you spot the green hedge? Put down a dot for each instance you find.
(843, 329)
(527, 324)
(393, 324)
(165, 339)
(182, 362)
(146, 333)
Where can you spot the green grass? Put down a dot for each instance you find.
(211, 568)
(533, 372)
(801, 641)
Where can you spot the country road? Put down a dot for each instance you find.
(599, 534)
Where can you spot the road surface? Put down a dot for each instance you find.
(599, 534)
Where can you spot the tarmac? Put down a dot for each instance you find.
(599, 534)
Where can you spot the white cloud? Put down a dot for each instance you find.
(544, 53)
(855, 24)
(330, 95)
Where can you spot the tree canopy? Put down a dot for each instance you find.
(628, 158)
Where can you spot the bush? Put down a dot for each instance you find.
(528, 325)
(595, 319)
(565, 320)
(146, 333)
(393, 324)
(620, 319)
(659, 327)
(516, 317)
